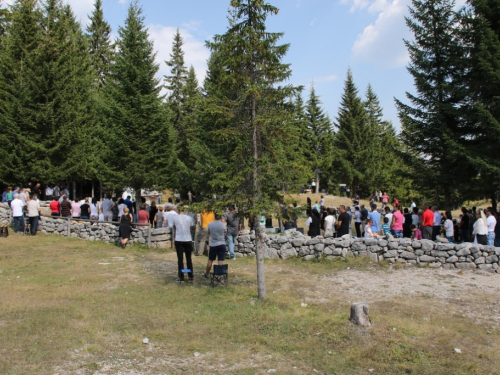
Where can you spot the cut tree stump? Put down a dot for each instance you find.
(359, 314)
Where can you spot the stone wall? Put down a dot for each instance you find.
(403, 250)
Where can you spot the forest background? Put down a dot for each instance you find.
(76, 106)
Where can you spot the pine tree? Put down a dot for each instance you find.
(141, 137)
(480, 32)
(320, 138)
(355, 141)
(4, 20)
(259, 114)
(100, 48)
(432, 125)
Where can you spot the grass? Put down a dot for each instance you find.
(70, 306)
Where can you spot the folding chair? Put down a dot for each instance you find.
(219, 275)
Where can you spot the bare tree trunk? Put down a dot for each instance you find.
(137, 199)
(259, 241)
(317, 183)
(74, 190)
(93, 195)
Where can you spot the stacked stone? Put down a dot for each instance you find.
(4, 214)
(161, 238)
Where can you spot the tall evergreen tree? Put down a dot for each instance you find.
(141, 137)
(355, 141)
(259, 114)
(100, 47)
(480, 33)
(432, 125)
(320, 138)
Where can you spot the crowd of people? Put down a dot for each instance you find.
(480, 226)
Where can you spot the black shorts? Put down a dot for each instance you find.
(218, 252)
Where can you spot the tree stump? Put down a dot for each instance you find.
(359, 314)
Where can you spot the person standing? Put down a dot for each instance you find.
(153, 210)
(357, 221)
(397, 223)
(233, 229)
(415, 218)
(448, 226)
(407, 223)
(413, 204)
(143, 215)
(436, 228)
(364, 215)
(36, 190)
(491, 223)
(49, 192)
(183, 225)
(65, 207)
(206, 217)
(464, 225)
(34, 211)
(375, 218)
(314, 223)
(55, 207)
(322, 201)
(427, 222)
(343, 222)
(75, 209)
(84, 210)
(217, 232)
(385, 199)
(388, 215)
(330, 221)
(106, 205)
(17, 213)
(497, 229)
(126, 221)
(94, 209)
(168, 217)
(56, 192)
(480, 229)
(158, 219)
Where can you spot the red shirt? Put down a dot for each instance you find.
(428, 218)
(54, 206)
(144, 217)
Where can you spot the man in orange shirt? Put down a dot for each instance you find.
(427, 222)
(202, 237)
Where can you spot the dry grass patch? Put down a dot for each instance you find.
(84, 308)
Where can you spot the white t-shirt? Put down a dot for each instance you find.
(491, 222)
(169, 218)
(330, 223)
(183, 224)
(17, 207)
(49, 191)
(415, 220)
(94, 211)
(120, 209)
(448, 225)
(33, 206)
(389, 216)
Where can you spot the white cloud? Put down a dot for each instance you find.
(82, 9)
(329, 78)
(195, 52)
(381, 42)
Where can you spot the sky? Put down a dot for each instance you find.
(326, 37)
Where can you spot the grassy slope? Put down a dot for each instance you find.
(61, 311)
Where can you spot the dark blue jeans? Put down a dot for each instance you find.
(18, 224)
(34, 224)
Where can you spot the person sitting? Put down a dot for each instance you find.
(416, 233)
(368, 230)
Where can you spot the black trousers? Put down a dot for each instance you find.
(184, 248)
(358, 229)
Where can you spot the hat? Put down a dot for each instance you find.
(28, 190)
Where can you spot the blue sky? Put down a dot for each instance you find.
(326, 38)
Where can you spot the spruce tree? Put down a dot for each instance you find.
(141, 136)
(355, 141)
(258, 111)
(480, 33)
(100, 48)
(432, 124)
(320, 138)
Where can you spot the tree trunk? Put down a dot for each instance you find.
(74, 190)
(137, 199)
(259, 241)
(494, 201)
(259, 252)
(317, 183)
(93, 195)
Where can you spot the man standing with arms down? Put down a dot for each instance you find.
(436, 229)
(217, 232)
(491, 222)
(206, 218)
(34, 211)
(427, 222)
(183, 225)
(233, 229)
(375, 218)
(343, 222)
(17, 213)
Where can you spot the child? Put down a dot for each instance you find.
(368, 229)
(416, 233)
(386, 228)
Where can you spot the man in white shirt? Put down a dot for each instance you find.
(183, 225)
(23, 196)
(436, 229)
(34, 213)
(491, 222)
(17, 214)
(106, 205)
(168, 217)
(49, 192)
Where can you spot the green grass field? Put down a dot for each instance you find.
(74, 307)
